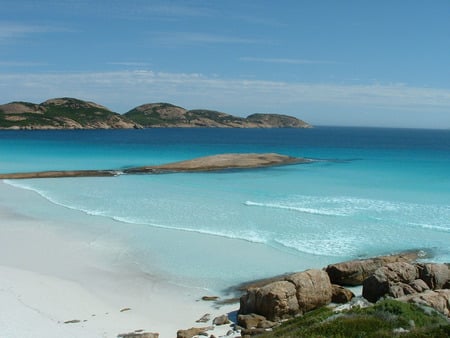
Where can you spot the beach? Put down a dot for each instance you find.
(111, 255)
(57, 283)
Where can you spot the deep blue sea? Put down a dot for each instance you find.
(371, 191)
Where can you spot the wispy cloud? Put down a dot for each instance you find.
(130, 64)
(173, 10)
(122, 90)
(14, 30)
(22, 64)
(183, 38)
(285, 61)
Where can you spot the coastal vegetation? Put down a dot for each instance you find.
(62, 113)
(72, 113)
(387, 318)
(400, 296)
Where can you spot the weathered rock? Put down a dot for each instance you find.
(419, 285)
(194, 331)
(435, 275)
(313, 289)
(356, 271)
(340, 294)
(379, 284)
(221, 320)
(397, 290)
(437, 299)
(274, 301)
(205, 318)
(250, 320)
(138, 335)
(210, 298)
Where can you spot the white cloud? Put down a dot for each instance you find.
(14, 30)
(317, 103)
(129, 64)
(284, 61)
(21, 64)
(186, 38)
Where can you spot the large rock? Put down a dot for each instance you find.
(356, 271)
(275, 301)
(389, 280)
(298, 293)
(250, 321)
(221, 320)
(313, 289)
(435, 275)
(437, 299)
(341, 295)
(193, 331)
(253, 321)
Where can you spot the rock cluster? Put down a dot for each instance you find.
(354, 272)
(397, 280)
(396, 276)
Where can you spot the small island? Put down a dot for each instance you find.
(202, 164)
(72, 113)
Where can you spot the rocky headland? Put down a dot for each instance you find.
(203, 164)
(72, 113)
(266, 305)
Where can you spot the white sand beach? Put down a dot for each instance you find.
(55, 282)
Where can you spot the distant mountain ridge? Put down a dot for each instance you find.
(71, 113)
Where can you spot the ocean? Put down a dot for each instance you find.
(369, 191)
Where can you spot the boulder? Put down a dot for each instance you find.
(385, 280)
(340, 294)
(250, 321)
(356, 271)
(313, 289)
(205, 318)
(435, 275)
(275, 301)
(437, 299)
(194, 331)
(221, 320)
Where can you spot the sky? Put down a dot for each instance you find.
(382, 63)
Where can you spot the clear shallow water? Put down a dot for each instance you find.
(373, 191)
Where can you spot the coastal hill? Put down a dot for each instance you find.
(60, 113)
(71, 113)
(168, 115)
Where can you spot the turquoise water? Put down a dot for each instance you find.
(370, 192)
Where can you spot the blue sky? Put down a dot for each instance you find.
(358, 63)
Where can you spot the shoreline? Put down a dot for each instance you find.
(49, 276)
(60, 265)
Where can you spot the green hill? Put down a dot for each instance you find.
(60, 113)
(168, 115)
(71, 113)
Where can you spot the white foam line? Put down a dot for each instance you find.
(128, 221)
(286, 207)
